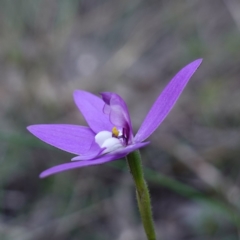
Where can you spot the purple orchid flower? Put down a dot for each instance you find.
(109, 135)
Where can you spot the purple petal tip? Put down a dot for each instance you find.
(42, 175)
(197, 61)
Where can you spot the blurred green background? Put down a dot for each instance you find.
(48, 48)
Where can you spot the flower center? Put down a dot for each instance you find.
(115, 132)
(110, 140)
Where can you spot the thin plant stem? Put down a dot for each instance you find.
(142, 192)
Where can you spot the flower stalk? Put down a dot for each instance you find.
(142, 192)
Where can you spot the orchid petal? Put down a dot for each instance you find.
(70, 138)
(91, 107)
(103, 159)
(123, 151)
(117, 111)
(129, 148)
(92, 153)
(166, 101)
(79, 164)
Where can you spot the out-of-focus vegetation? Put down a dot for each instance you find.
(49, 48)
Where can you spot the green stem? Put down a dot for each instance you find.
(143, 197)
